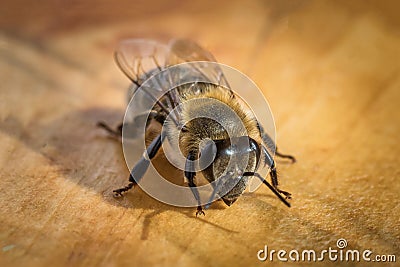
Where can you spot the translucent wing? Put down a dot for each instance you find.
(185, 51)
(139, 59)
(182, 51)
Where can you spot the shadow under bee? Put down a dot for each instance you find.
(85, 155)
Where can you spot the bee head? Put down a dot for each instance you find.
(232, 158)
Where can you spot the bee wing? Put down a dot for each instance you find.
(139, 59)
(182, 50)
(185, 51)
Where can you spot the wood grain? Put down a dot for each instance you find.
(330, 71)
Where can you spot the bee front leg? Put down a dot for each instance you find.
(141, 167)
(274, 180)
(272, 188)
(274, 176)
(190, 174)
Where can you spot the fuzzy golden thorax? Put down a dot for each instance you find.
(221, 105)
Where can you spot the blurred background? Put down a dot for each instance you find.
(329, 70)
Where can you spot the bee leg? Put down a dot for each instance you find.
(190, 174)
(271, 145)
(274, 180)
(117, 133)
(272, 188)
(118, 192)
(132, 127)
(284, 156)
(274, 176)
(141, 166)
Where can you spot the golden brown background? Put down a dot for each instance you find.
(329, 69)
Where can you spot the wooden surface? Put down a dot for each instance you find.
(330, 71)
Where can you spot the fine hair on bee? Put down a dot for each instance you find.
(190, 130)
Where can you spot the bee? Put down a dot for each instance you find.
(236, 152)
